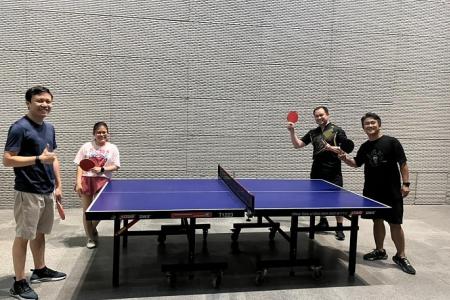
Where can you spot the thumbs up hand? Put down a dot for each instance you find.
(47, 157)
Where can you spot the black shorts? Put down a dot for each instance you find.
(392, 215)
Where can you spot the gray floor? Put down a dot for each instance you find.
(89, 271)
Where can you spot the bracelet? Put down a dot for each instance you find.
(407, 183)
(37, 160)
(102, 170)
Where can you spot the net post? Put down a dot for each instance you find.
(244, 195)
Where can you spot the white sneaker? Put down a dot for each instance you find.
(91, 244)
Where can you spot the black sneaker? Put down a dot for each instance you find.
(322, 225)
(339, 235)
(376, 255)
(404, 263)
(46, 274)
(21, 290)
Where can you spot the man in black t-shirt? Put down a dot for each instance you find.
(326, 164)
(384, 164)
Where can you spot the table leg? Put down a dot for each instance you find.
(191, 239)
(353, 242)
(293, 238)
(312, 222)
(293, 243)
(116, 252)
(125, 234)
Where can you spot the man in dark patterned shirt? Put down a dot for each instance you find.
(326, 165)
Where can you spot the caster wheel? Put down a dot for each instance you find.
(205, 235)
(235, 235)
(217, 279)
(272, 233)
(161, 238)
(316, 272)
(260, 276)
(272, 245)
(235, 248)
(171, 279)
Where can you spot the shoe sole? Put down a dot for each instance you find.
(19, 297)
(47, 279)
(340, 238)
(378, 258)
(403, 269)
(407, 271)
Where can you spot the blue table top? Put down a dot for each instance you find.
(157, 195)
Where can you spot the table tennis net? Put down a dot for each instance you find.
(240, 192)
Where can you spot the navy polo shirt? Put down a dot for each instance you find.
(27, 138)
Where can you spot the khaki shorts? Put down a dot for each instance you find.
(33, 213)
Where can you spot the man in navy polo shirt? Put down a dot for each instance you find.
(29, 150)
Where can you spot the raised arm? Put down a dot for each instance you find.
(298, 143)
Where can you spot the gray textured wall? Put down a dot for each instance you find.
(185, 85)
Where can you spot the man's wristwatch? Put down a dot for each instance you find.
(407, 183)
(37, 160)
(102, 170)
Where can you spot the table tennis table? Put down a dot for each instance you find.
(131, 200)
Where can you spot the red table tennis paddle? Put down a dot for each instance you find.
(86, 164)
(292, 117)
(60, 209)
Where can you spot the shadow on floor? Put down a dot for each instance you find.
(141, 276)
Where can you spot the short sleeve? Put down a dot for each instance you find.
(400, 155)
(306, 138)
(14, 139)
(81, 154)
(54, 139)
(340, 136)
(115, 156)
(359, 158)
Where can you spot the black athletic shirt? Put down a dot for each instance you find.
(381, 159)
(326, 165)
